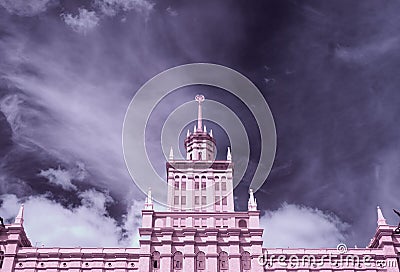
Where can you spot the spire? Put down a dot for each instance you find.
(252, 204)
(199, 98)
(211, 134)
(195, 129)
(381, 219)
(205, 129)
(228, 154)
(148, 205)
(187, 134)
(171, 154)
(20, 217)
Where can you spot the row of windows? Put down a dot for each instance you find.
(200, 263)
(197, 200)
(216, 178)
(197, 185)
(202, 222)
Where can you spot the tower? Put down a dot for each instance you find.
(200, 231)
(200, 183)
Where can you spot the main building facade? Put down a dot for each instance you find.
(200, 231)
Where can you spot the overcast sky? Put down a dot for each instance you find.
(329, 71)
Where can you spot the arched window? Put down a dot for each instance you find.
(245, 261)
(223, 262)
(200, 261)
(155, 260)
(242, 223)
(177, 260)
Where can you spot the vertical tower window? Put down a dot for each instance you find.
(176, 185)
(183, 185)
(197, 200)
(200, 155)
(183, 200)
(196, 185)
(178, 260)
(224, 201)
(203, 200)
(223, 261)
(201, 261)
(245, 261)
(203, 185)
(155, 260)
(223, 186)
(176, 200)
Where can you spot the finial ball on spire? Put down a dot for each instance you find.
(199, 98)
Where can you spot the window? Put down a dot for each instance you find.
(223, 186)
(217, 186)
(155, 260)
(176, 185)
(177, 260)
(183, 185)
(196, 200)
(196, 185)
(245, 261)
(201, 261)
(200, 155)
(203, 200)
(223, 261)
(183, 222)
(217, 200)
(203, 185)
(183, 200)
(224, 201)
(242, 223)
(176, 200)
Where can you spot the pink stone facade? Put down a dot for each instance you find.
(200, 231)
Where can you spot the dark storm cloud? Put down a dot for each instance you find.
(328, 69)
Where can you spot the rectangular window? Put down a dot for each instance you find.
(196, 185)
(203, 200)
(183, 185)
(183, 222)
(176, 222)
(196, 200)
(176, 185)
(217, 186)
(183, 200)
(176, 200)
(223, 185)
(204, 222)
(203, 185)
(224, 201)
(217, 200)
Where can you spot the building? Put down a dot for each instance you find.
(200, 231)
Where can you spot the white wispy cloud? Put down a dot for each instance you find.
(112, 7)
(27, 8)
(299, 226)
(80, 226)
(64, 177)
(83, 22)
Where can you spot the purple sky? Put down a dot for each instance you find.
(328, 70)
